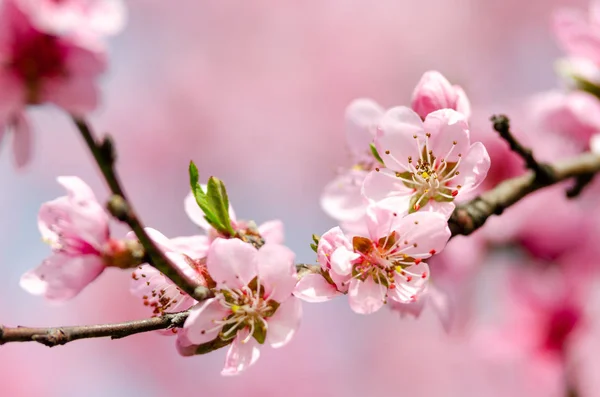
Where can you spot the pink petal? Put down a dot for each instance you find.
(410, 287)
(162, 241)
(463, 105)
(362, 116)
(200, 325)
(284, 323)
(272, 232)
(342, 198)
(426, 233)
(383, 216)
(76, 188)
(77, 95)
(443, 208)
(413, 309)
(575, 35)
(314, 288)
(193, 246)
(366, 297)
(382, 184)
(396, 134)
(183, 344)
(341, 260)
(473, 168)
(232, 262)
(62, 277)
(595, 144)
(433, 92)
(241, 356)
(446, 127)
(276, 271)
(441, 304)
(22, 140)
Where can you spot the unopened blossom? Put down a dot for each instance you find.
(253, 302)
(158, 293)
(76, 227)
(270, 231)
(578, 33)
(389, 263)
(38, 68)
(429, 163)
(342, 198)
(102, 17)
(434, 92)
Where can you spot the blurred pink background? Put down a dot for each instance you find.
(254, 92)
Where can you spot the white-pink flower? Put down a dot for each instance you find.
(158, 292)
(39, 68)
(579, 33)
(102, 17)
(271, 231)
(386, 264)
(253, 302)
(76, 227)
(434, 92)
(429, 163)
(342, 198)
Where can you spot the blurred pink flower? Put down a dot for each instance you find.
(342, 198)
(434, 92)
(40, 68)
(81, 16)
(578, 33)
(429, 163)
(157, 291)
(253, 303)
(76, 227)
(388, 263)
(271, 231)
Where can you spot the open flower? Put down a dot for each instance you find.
(158, 292)
(434, 92)
(386, 264)
(76, 227)
(253, 302)
(429, 163)
(38, 68)
(342, 198)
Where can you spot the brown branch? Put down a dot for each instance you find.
(104, 154)
(62, 335)
(470, 216)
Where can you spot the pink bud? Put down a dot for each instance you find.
(434, 92)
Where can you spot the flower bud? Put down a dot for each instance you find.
(434, 92)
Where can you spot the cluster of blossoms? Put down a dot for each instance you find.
(410, 165)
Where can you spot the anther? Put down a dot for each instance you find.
(432, 252)
(387, 152)
(417, 261)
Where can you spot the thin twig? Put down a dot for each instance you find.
(542, 171)
(62, 335)
(472, 215)
(118, 205)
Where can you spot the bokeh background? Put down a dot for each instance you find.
(254, 92)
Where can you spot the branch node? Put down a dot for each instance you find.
(118, 208)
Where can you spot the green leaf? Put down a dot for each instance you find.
(313, 246)
(219, 203)
(202, 200)
(376, 153)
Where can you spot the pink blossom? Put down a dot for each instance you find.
(388, 263)
(433, 298)
(82, 16)
(253, 302)
(342, 198)
(429, 163)
(434, 92)
(157, 291)
(271, 231)
(76, 227)
(578, 33)
(40, 68)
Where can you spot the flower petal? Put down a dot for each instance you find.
(200, 325)
(61, 277)
(314, 288)
(276, 271)
(384, 183)
(362, 116)
(341, 260)
(366, 297)
(410, 284)
(342, 198)
(193, 246)
(425, 232)
(241, 356)
(473, 168)
(22, 140)
(463, 105)
(272, 232)
(232, 262)
(396, 132)
(449, 134)
(284, 323)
